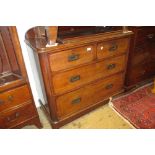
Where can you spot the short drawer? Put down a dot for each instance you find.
(80, 99)
(10, 119)
(75, 78)
(73, 57)
(14, 97)
(112, 48)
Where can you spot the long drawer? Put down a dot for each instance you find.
(12, 118)
(75, 78)
(14, 97)
(84, 97)
(73, 57)
(112, 48)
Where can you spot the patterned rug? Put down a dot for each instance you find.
(138, 107)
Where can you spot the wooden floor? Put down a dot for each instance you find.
(102, 118)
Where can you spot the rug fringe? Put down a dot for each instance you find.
(110, 104)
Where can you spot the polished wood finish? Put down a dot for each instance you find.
(141, 64)
(17, 107)
(72, 57)
(77, 100)
(77, 75)
(14, 97)
(16, 116)
(7, 55)
(75, 78)
(112, 48)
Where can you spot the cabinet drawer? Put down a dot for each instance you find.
(145, 34)
(71, 58)
(112, 48)
(80, 99)
(69, 80)
(14, 97)
(10, 119)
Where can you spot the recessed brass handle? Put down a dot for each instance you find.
(73, 57)
(10, 98)
(75, 78)
(76, 101)
(113, 48)
(109, 86)
(2, 101)
(111, 66)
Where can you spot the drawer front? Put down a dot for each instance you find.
(14, 97)
(112, 48)
(14, 117)
(146, 34)
(69, 80)
(71, 58)
(80, 99)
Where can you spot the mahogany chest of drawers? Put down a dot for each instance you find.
(82, 72)
(17, 108)
(141, 62)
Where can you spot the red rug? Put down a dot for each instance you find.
(138, 107)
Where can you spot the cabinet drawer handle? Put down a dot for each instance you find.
(73, 57)
(15, 117)
(111, 66)
(76, 101)
(75, 78)
(10, 98)
(113, 47)
(1, 101)
(150, 36)
(109, 86)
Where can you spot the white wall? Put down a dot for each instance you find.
(31, 66)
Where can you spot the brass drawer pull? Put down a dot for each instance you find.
(109, 86)
(10, 98)
(15, 117)
(73, 57)
(1, 101)
(150, 36)
(111, 66)
(75, 78)
(76, 101)
(113, 48)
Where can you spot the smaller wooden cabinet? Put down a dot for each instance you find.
(17, 107)
(141, 62)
